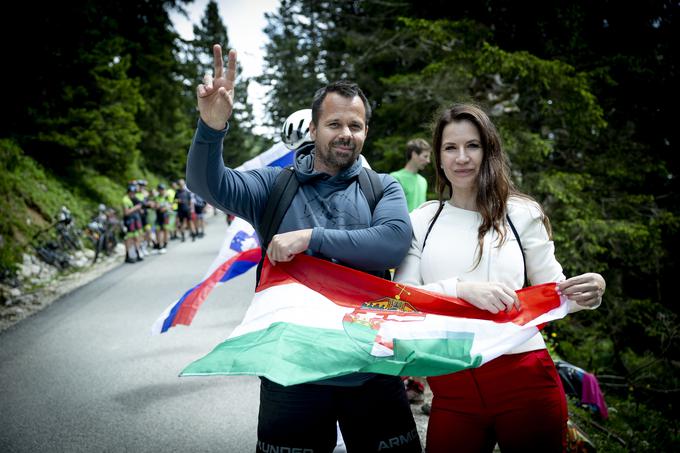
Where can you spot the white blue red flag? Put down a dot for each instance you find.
(239, 253)
(236, 256)
(276, 156)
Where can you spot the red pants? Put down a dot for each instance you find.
(516, 400)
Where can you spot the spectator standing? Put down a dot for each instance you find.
(185, 210)
(163, 205)
(329, 218)
(414, 185)
(482, 241)
(132, 221)
(199, 210)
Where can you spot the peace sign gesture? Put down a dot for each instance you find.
(216, 93)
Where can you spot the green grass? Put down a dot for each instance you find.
(34, 195)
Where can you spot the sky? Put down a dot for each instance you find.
(245, 23)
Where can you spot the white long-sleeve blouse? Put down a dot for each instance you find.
(451, 251)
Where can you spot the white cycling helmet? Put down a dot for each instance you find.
(295, 130)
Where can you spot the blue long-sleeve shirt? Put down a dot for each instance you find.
(333, 206)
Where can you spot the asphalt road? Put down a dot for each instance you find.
(85, 375)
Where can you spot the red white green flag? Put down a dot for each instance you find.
(311, 319)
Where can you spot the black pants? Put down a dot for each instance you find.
(374, 416)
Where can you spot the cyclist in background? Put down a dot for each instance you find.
(133, 224)
(142, 196)
(185, 209)
(163, 208)
(172, 220)
(199, 208)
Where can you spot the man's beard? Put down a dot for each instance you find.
(331, 159)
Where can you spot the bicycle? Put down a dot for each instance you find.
(55, 251)
(102, 232)
(67, 231)
(50, 253)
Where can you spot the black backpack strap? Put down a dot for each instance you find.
(521, 249)
(434, 219)
(281, 196)
(371, 186)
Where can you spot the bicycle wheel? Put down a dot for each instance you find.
(71, 240)
(46, 255)
(111, 242)
(101, 245)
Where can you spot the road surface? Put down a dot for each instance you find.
(85, 374)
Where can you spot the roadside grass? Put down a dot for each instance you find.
(34, 195)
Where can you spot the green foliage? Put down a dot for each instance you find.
(97, 188)
(101, 129)
(391, 151)
(631, 426)
(294, 57)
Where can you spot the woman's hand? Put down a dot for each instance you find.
(489, 296)
(585, 289)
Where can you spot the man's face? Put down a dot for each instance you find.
(339, 137)
(421, 159)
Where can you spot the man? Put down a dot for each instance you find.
(199, 208)
(172, 213)
(133, 224)
(142, 198)
(163, 205)
(185, 210)
(414, 185)
(330, 218)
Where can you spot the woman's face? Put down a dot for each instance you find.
(461, 154)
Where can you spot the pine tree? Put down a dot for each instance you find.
(294, 63)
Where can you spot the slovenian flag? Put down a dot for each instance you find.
(238, 254)
(311, 319)
(276, 156)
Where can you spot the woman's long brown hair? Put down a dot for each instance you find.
(494, 185)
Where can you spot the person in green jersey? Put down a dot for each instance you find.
(143, 197)
(414, 185)
(172, 214)
(133, 225)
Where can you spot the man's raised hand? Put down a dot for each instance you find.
(216, 93)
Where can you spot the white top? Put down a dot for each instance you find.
(451, 251)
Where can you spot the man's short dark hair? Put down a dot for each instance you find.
(417, 145)
(344, 88)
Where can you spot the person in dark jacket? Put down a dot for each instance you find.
(329, 218)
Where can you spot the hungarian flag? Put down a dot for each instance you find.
(311, 319)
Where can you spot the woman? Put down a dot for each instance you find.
(465, 247)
